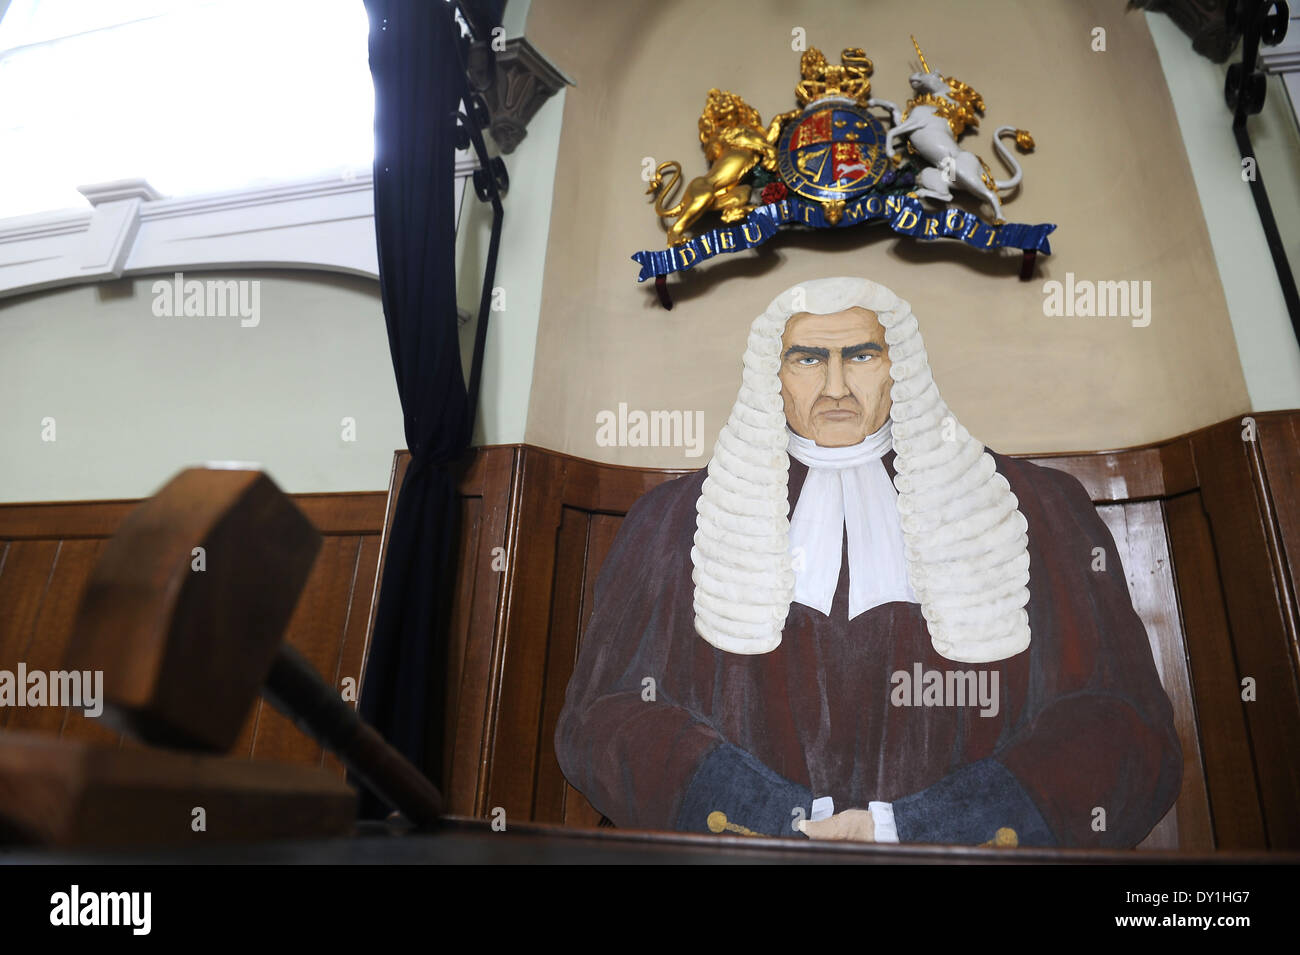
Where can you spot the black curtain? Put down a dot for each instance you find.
(418, 87)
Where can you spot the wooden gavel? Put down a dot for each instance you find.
(185, 613)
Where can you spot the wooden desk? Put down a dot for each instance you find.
(466, 841)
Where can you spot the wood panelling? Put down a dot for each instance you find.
(1207, 526)
(48, 549)
(1204, 527)
(1279, 447)
(1228, 764)
(1136, 474)
(1242, 503)
(488, 488)
(318, 629)
(51, 629)
(561, 649)
(1142, 541)
(519, 682)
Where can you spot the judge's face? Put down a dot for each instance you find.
(835, 376)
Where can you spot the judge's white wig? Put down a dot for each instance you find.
(964, 537)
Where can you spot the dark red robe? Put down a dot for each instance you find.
(1082, 723)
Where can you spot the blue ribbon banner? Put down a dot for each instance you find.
(905, 215)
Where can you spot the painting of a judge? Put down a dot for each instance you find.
(859, 623)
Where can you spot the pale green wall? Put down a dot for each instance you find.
(1270, 357)
(515, 17)
(136, 397)
(511, 345)
(512, 333)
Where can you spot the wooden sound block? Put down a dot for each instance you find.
(61, 793)
(187, 604)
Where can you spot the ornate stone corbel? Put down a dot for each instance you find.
(524, 81)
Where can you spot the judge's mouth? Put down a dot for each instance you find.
(840, 414)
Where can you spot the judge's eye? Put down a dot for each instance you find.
(863, 358)
(808, 360)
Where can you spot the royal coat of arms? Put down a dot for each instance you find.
(832, 163)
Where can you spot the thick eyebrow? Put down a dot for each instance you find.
(808, 350)
(847, 352)
(852, 350)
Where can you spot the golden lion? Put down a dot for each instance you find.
(734, 142)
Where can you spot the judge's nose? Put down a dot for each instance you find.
(835, 386)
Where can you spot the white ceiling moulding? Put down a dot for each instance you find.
(323, 224)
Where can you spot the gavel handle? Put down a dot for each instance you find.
(295, 689)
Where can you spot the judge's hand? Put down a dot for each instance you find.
(854, 825)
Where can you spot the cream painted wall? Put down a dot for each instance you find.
(1110, 169)
(135, 397)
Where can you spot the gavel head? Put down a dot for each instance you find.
(188, 603)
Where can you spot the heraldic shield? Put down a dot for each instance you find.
(833, 152)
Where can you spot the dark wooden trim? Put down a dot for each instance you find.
(1138, 474)
(63, 520)
(359, 512)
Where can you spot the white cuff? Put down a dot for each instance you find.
(823, 807)
(882, 814)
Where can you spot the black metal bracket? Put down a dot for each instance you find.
(491, 180)
(1261, 21)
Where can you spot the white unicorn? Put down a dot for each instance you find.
(932, 122)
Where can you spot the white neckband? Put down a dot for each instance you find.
(814, 455)
(848, 487)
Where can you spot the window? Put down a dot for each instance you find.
(194, 96)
